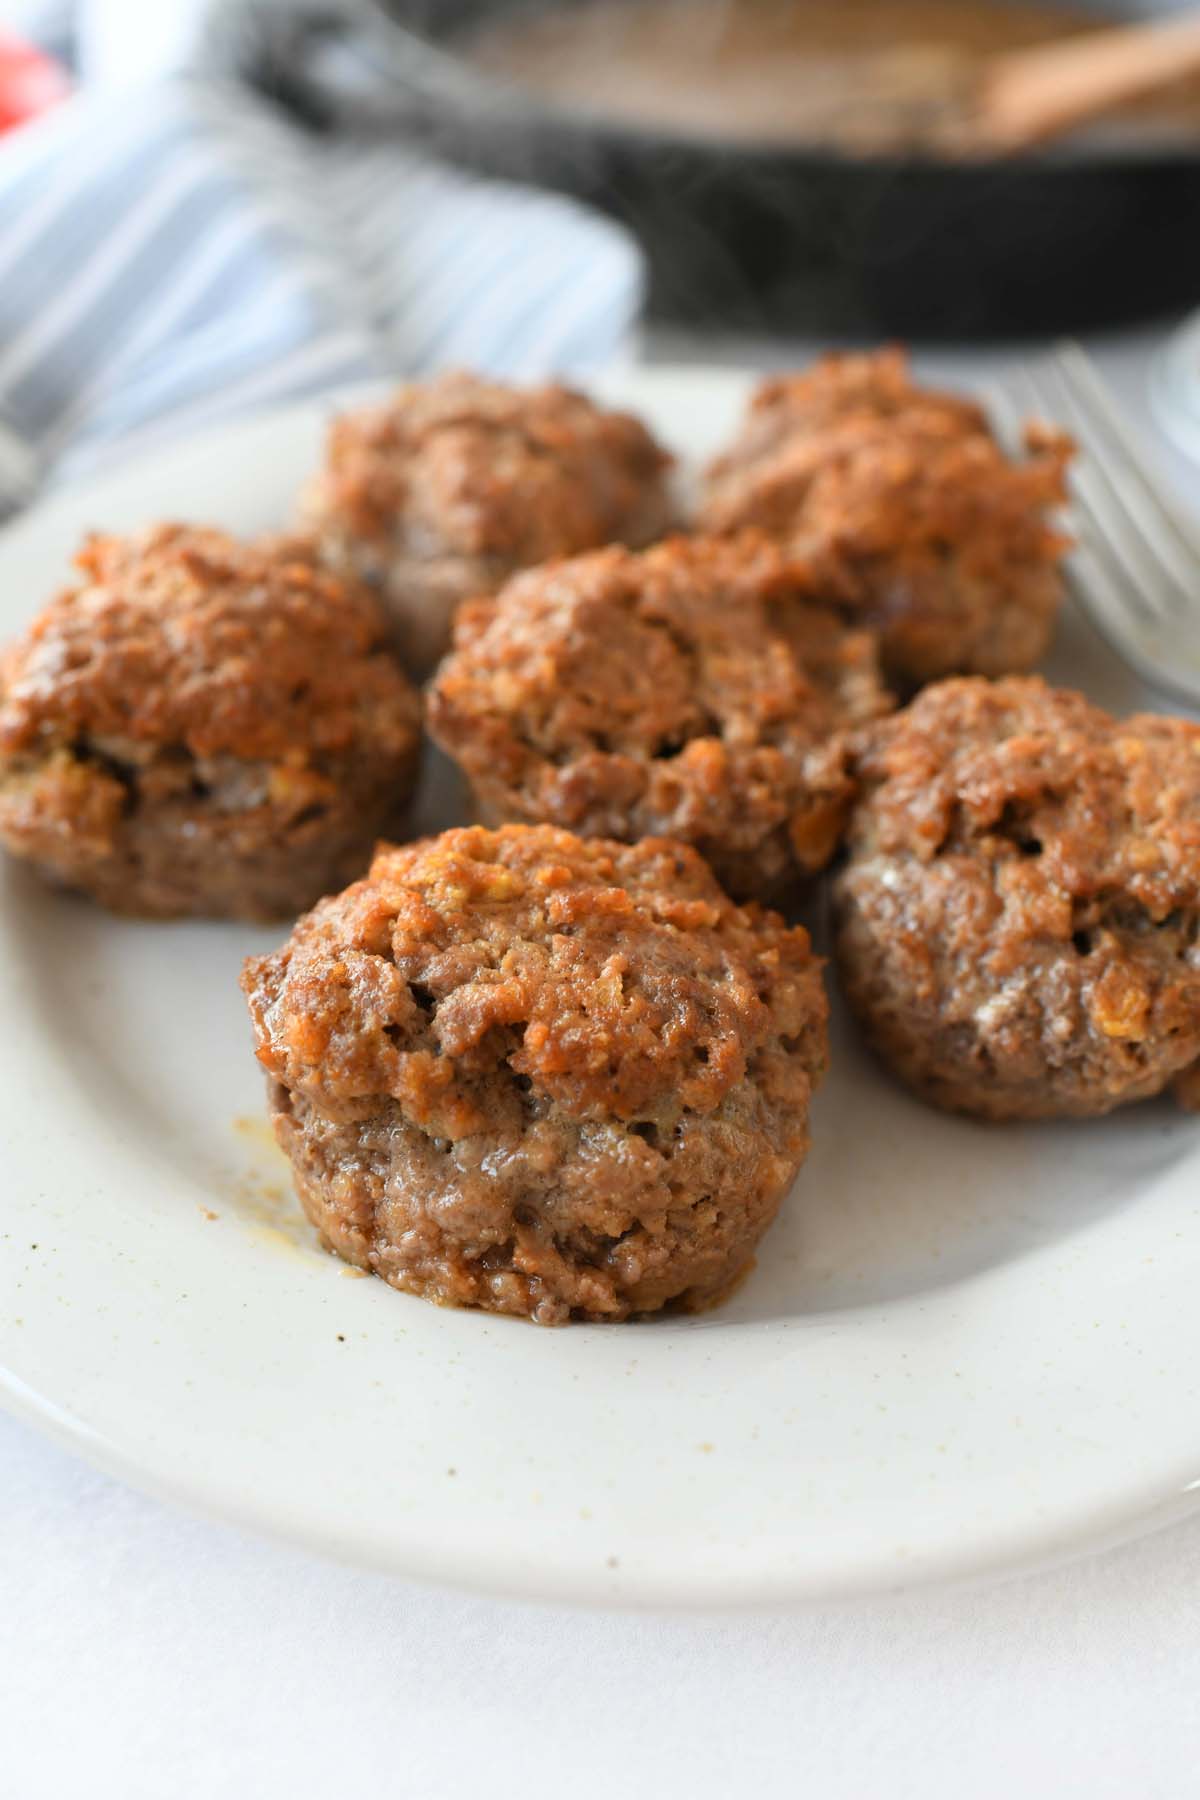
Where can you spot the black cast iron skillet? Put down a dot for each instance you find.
(781, 241)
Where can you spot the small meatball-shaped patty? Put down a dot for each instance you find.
(906, 509)
(202, 726)
(442, 492)
(694, 690)
(1017, 921)
(543, 1076)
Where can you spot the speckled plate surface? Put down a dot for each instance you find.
(965, 1349)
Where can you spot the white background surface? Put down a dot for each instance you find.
(150, 1657)
(147, 1654)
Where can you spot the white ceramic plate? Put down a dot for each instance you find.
(965, 1348)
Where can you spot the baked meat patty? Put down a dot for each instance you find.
(451, 485)
(907, 510)
(202, 726)
(694, 690)
(1017, 921)
(544, 1076)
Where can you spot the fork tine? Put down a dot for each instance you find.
(1086, 380)
(1106, 542)
(1121, 462)
(1001, 405)
(1155, 588)
(1104, 604)
(1113, 575)
(1107, 580)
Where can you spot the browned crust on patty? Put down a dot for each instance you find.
(1018, 917)
(451, 485)
(695, 690)
(540, 1075)
(906, 511)
(199, 725)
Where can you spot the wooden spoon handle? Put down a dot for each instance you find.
(1028, 96)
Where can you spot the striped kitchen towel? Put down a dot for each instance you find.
(175, 253)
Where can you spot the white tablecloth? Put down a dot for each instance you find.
(145, 1655)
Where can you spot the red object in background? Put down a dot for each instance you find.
(29, 82)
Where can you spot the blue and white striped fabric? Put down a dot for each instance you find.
(171, 255)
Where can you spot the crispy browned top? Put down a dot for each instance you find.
(677, 662)
(1070, 804)
(874, 384)
(464, 968)
(474, 468)
(858, 469)
(181, 635)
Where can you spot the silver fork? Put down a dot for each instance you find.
(1136, 567)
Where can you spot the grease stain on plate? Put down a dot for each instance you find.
(261, 1195)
